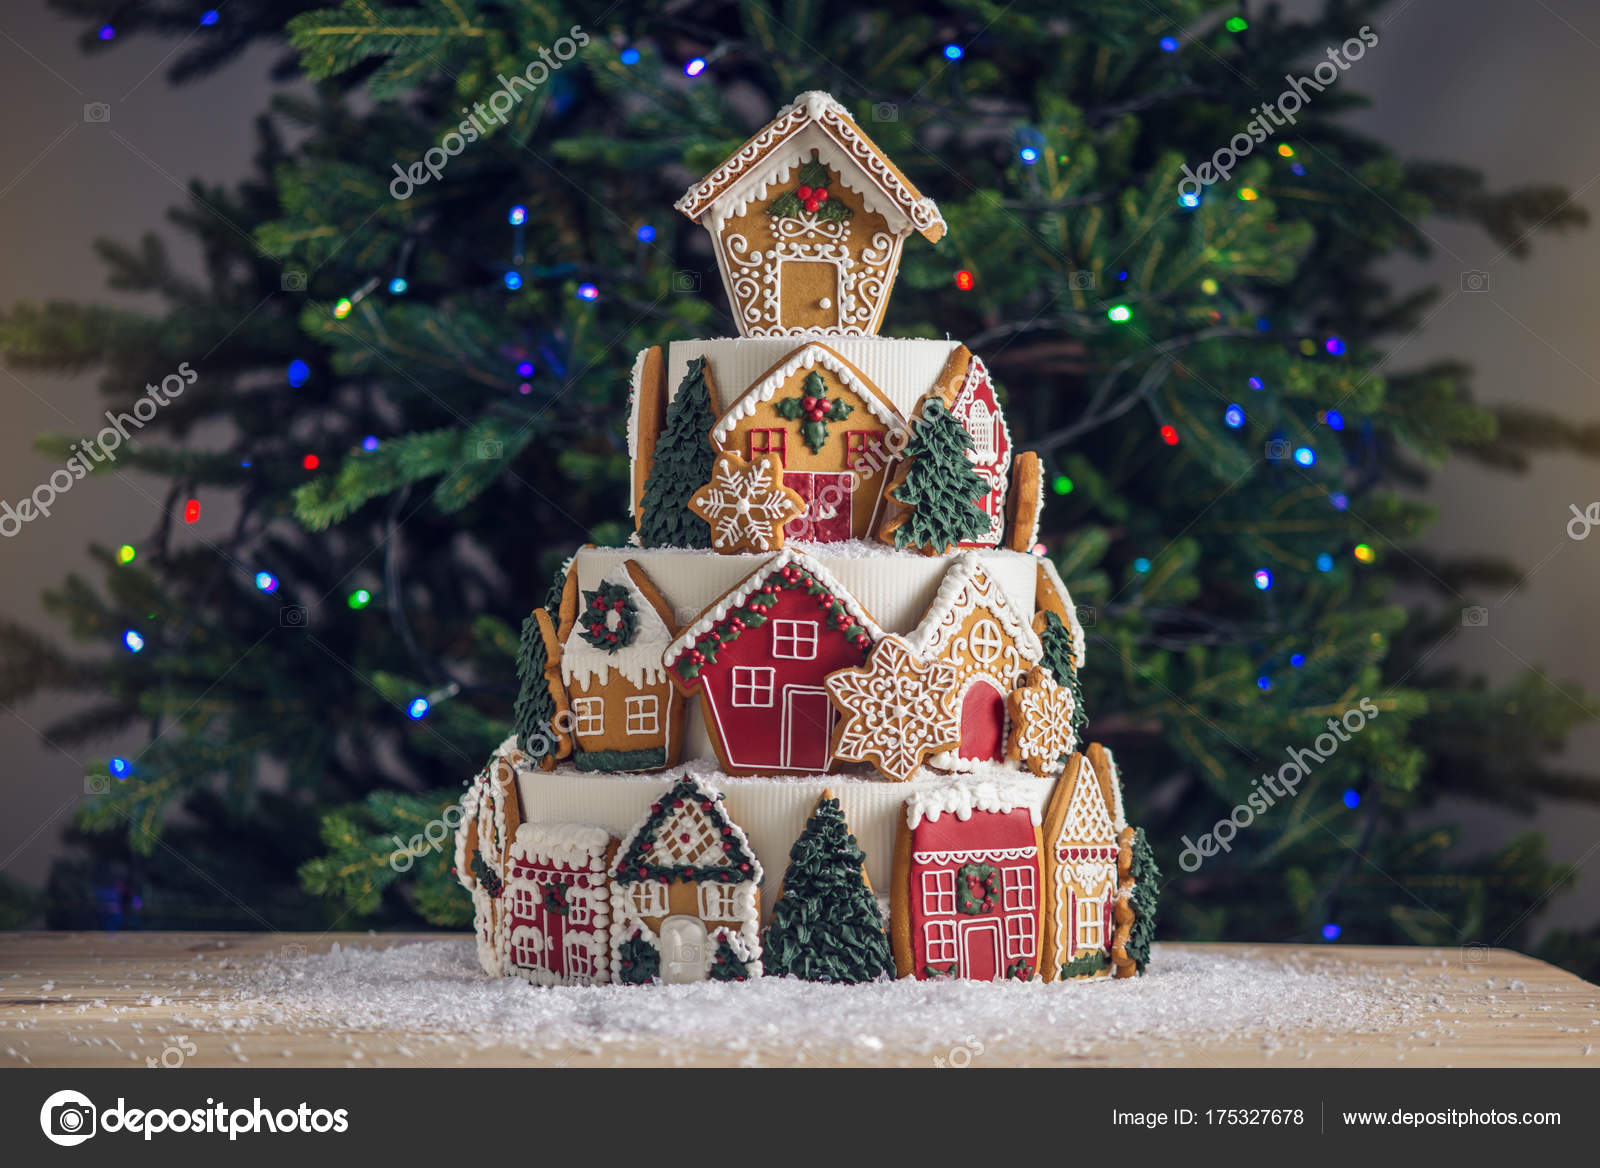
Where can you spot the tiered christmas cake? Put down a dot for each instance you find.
(821, 715)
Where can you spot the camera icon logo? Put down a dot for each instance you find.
(97, 113)
(1277, 449)
(96, 785)
(294, 951)
(1080, 280)
(68, 1118)
(292, 616)
(1476, 953)
(490, 449)
(293, 281)
(885, 111)
(1475, 281)
(1475, 616)
(1088, 615)
(685, 281)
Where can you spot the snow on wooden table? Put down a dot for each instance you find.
(138, 999)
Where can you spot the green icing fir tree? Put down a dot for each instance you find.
(826, 926)
(1060, 659)
(535, 709)
(728, 965)
(940, 486)
(638, 960)
(682, 465)
(1146, 892)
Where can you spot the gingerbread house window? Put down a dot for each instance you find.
(590, 715)
(752, 685)
(644, 714)
(794, 639)
(1020, 937)
(763, 442)
(580, 957)
(863, 450)
(1089, 923)
(649, 899)
(1018, 889)
(718, 902)
(985, 641)
(938, 892)
(981, 426)
(941, 941)
(579, 909)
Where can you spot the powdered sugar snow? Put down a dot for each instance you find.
(433, 993)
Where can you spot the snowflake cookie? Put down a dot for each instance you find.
(895, 710)
(1041, 722)
(747, 504)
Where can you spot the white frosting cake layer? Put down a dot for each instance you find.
(771, 810)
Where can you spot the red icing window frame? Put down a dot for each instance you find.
(767, 445)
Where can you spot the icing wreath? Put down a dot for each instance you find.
(609, 618)
(977, 888)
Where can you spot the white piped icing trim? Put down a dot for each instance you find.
(807, 357)
(491, 945)
(962, 798)
(634, 379)
(815, 109)
(639, 661)
(965, 588)
(573, 845)
(1118, 818)
(1078, 645)
(789, 555)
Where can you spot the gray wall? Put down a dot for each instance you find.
(1506, 88)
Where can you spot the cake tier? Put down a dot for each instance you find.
(772, 810)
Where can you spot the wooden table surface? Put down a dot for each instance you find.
(110, 999)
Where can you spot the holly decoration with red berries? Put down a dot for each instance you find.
(555, 899)
(977, 888)
(811, 197)
(609, 618)
(813, 409)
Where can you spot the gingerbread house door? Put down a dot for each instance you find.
(980, 950)
(830, 502)
(983, 721)
(808, 295)
(807, 728)
(684, 955)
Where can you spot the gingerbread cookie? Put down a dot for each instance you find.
(647, 409)
(894, 711)
(1041, 722)
(1080, 876)
(747, 504)
(940, 496)
(556, 926)
(807, 219)
(1025, 503)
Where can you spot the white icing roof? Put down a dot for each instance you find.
(967, 587)
(814, 121)
(962, 797)
(1079, 646)
(639, 661)
(808, 356)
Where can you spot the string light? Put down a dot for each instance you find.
(369, 443)
(1233, 417)
(629, 56)
(513, 280)
(964, 280)
(1331, 931)
(1141, 565)
(1263, 325)
(266, 582)
(133, 641)
(1189, 199)
(1028, 155)
(1039, 549)
(1285, 150)
(398, 286)
(1364, 553)
(1324, 562)
(645, 234)
(1263, 578)
(1308, 346)
(1340, 500)
(1352, 798)
(299, 373)
(1169, 44)
(310, 462)
(1297, 660)
(358, 599)
(525, 388)
(125, 554)
(1062, 485)
(954, 52)
(588, 292)
(525, 369)
(1305, 456)
(1334, 419)
(121, 768)
(1120, 314)
(1248, 194)
(1169, 435)
(517, 216)
(417, 709)
(1263, 683)
(695, 67)
(1237, 24)
(1297, 170)
(1334, 345)
(1257, 384)
(342, 308)
(209, 17)
(107, 32)
(191, 511)
(1209, 286)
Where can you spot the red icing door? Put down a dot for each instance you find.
(980, 950)
(983, 722)
(828, 506)
(807, 727)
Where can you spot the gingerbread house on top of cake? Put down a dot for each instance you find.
(807, 219)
